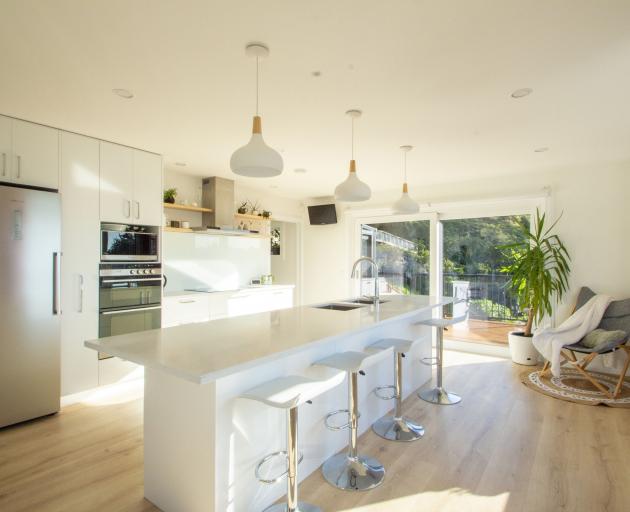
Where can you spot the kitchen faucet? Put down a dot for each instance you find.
(375, 266)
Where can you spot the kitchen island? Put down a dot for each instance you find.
(201, 443)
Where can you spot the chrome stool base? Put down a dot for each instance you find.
(398, 429)
(302, 507)
(353, 474)
(439, 396)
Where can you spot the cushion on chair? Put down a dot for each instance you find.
(600, 337)
(617, 314)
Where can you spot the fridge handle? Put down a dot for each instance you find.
(56, 290)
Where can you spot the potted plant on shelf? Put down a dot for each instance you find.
(242, 209)
(169, 195)
(539, 271)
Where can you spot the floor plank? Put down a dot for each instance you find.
(504, 448)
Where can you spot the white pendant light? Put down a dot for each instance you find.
(405, 204)
(352, 189)
(256, 159)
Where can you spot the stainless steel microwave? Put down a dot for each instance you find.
(126, 242)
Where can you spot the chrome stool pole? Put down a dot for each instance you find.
(351, 471)
(288, 393)
(438, 395)
(396, 427)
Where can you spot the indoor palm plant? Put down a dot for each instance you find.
(539, 270)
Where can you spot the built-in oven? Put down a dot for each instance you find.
(130, 297)
(127, 242)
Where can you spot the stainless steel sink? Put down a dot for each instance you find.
(364, 301)
(339, 307)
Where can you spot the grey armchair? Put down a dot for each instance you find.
(616, 317)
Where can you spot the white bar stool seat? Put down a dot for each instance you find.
(289, 393)
(396, 427)
(350, 471)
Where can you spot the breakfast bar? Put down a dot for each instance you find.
(202, 443)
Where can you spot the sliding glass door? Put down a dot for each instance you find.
(472, 266)
(401, 250)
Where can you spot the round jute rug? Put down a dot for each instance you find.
(574, 387)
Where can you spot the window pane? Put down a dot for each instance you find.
(401, 250)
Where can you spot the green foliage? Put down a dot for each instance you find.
(539, 269)
(489, 309)
(169, 194)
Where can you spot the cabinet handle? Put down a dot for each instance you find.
(4, 164)
(19, 167)
(137, 209)
(128, 209)
(186, 301)
(81, 288)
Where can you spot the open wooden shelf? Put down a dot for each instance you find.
(251, 217)
(212, 232)
(177, 230)
(187, 208)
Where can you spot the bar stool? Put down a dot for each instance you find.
(351, 471)
(438, 395)
(288, 393)
(395, 427)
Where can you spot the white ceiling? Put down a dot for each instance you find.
(434, 74)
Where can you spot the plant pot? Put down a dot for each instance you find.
(522, 349)
(242, 211)
(170, 200)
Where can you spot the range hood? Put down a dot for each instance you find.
(218, 195)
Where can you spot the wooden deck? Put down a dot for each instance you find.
(482, 331)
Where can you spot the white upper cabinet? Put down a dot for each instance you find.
(131, 185)
(29, 153)
(147, 188)
(116, 183)
(5, 148)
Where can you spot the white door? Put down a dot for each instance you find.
(116, 183)
(35, 155)
(147, 188)
(5, 149)
(79, 263)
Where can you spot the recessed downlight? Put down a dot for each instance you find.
(300, 170)
(123, 93)
(180, 164)
(543, 149)
(521, 93)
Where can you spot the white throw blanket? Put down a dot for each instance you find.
(549, 342)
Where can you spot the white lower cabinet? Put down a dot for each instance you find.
(79, 261)
(185, 309)
(200, 307)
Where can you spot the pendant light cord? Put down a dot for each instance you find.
(405, 164)
(257, 90)
(352, 137)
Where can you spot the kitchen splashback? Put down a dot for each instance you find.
(215, 261)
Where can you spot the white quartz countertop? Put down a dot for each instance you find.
(203, 352)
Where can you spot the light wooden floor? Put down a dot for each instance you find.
(504, 448)
(482, 331)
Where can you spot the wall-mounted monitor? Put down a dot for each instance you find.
(322, 214)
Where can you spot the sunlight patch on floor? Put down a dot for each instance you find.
(118, 393)
(448, 500)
